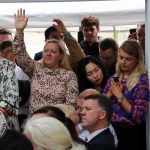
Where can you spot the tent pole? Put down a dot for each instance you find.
(147, 62)
(115, 34)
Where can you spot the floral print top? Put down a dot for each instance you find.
(48, 86)
(138, 97)
(9, 93)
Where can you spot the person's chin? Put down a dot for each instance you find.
(98, 82)
(48, 65)
(83, 121)
(90, 41)
(84, 124)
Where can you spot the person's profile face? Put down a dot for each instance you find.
(141, 37)
(79, 105)
(8, 53)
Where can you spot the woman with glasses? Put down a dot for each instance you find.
(130, 95)
(91, 74)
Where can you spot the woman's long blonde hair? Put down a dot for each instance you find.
(132, 48)
(64, 63)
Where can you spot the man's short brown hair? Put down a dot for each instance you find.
(4, 31)
(89, 21)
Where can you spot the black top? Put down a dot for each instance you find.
(103, 141)
(90, 49)
(38, 56)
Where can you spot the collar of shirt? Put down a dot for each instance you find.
(92, 135)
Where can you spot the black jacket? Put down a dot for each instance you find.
(102, 141)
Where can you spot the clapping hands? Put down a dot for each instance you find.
(116, 89)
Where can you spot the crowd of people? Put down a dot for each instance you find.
(91, 95)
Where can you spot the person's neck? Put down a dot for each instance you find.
(97, 127)
(93, 41)
(128, 74)
(90, 42)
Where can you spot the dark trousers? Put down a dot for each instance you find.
(130, 137)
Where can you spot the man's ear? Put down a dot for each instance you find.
(102, 114)
(2, 54)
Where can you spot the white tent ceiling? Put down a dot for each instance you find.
(124, 12)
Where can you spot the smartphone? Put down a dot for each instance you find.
(116, 79)
(132, 31)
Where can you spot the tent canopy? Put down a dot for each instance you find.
(124, 12)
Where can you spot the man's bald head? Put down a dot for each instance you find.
(88, 92)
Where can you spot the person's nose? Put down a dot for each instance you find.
(49, 52)
(82, 112)
(124, 60)
(94, 75)
(89, 32)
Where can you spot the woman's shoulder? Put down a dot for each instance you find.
(65, 75)
(144, 77)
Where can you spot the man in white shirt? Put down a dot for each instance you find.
(96, 115)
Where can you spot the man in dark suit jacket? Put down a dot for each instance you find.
(96, 116)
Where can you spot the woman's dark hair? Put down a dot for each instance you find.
(14, 140)
(55, 112)
(48, 32)
(52, 111)
(83, 82)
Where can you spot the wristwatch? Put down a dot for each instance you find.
(67, 35)
(120, 99)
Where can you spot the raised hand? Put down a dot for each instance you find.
(59, 26)
(20, 20)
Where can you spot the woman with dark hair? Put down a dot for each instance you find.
(91, 74)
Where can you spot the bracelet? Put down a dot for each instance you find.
(120, 99)
(67, 35)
